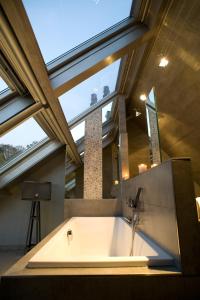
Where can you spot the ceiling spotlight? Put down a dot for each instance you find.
(137, 113)
(143, 97)
(163, 62)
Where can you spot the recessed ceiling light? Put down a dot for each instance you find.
(163, 62)
(109, 59)
(143, 97)
(137, 113)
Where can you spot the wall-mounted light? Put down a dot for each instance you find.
(142, 168)
(143, 97)
(116, 182)
(125, 177)
(153, 165)
(163, 62)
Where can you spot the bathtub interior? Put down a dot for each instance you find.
(99, 239)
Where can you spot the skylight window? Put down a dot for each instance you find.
(61, 25)
(3, 85)
(78, 131)
(148, 123)
(106, 112)
(20, 139)
(90, 91)
(151, 98)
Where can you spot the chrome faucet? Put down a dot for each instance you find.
(133, 203)
(134, 220)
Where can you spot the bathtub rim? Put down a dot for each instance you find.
(19, 269)
(164, 259)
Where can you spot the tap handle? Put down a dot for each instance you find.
(130, 202)
(137, 198)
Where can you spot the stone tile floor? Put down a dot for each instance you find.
(8, 258)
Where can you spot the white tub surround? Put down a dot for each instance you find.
(98, 242)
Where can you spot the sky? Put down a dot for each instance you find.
(24, 134)
(63, 24)
(78, 131)
(59, 26)
(3, 85)
(78, 99)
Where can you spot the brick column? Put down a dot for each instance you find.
(93, 156)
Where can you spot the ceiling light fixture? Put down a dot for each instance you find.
(163, 62)
(137, 113)
(143, 97)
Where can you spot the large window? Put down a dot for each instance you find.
(63, 24)
(20, 139)
(90, 91)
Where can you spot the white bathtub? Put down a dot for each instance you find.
(98, 242)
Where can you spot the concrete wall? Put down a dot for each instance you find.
(157, 217)
(168, 210)
(177, 87)
(138, 147)
(107, 172)
(78, 190)
(14, 212)
(94, 208)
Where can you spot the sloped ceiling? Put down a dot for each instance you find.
(177, 86)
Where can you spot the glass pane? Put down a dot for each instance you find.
(153, 133)
(148, 123)
(70, 185)
(61, 25)
(90, 91)
(78, 131)
(151, 98)
(106, 112)
(3, 85)
(20, 139)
